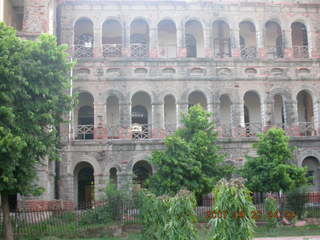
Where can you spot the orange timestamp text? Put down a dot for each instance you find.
(257, 215)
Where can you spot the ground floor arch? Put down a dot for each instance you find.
(84, 185)
(313, 166)
(142, 170)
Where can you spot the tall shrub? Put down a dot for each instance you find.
(170, 218)
(233, 213)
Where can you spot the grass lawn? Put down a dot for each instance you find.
(281, 231)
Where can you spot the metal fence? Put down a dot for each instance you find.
(35, 222)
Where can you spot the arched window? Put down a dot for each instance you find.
(248, 41)
(167, 35)
(273, 40)
(305, 113)
(139, 38)
(142, 170)
(252, 113)
(194, 39)
(299, 40)
(84, 185)
(221, 39)
(112, 38)
(83, 38)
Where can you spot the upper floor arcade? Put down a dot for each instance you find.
(203, 33)
(144, 115)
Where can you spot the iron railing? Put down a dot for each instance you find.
(82, 51)
(139, 49)
(84, 132)
(273, 52)
(112, 50)
(248, 52)
(300, 51)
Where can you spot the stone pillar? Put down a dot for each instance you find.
(97, 36)
(153, 44)
(182, 108)
(99, 115)
(181, 45)
(268, 113)
(213, 109)
(291, 111)
(127, 47)
(235, 42)
(66, 187)
(260, 44)
(208, 50)
(237, 117)
(125, 181)
(99, 187)
(157, 116)
(287, 39)
(125, 114)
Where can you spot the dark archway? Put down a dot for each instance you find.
(142, 170)
(84, 174)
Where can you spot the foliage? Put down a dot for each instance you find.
(271, 208)
(170, 218)
(34, 79)
(233, 200)
(296, 201)
(191, 159)
(108, 211)
(272, 170)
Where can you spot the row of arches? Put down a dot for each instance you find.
(84, 178)
(142, 110)
(223, 41)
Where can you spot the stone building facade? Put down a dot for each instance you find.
(253, 63)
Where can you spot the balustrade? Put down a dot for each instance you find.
(145, 131)
(300, 51)
(139, 50)
(112, 50)
(83, 51)
(248, 52)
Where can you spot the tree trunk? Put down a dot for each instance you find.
(8, 233)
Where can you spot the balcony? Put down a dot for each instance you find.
(145, 131)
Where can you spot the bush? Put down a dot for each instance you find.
(233, 214)
(110, 211)
(296, 201)
(271, 208)
(170, 218)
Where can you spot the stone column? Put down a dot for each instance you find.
(127, 45)
(125, 114)
(260, 44)
(181, 44)
(237, 117)
(213, 109)
(157, 117)
(153, 44)
(235, 42)
(208, 50)
(287, 40)
(99, 114)
(125, 181)
(182, 108)
(268, 113)
(97, 44)
(291, 111)
(99, 187)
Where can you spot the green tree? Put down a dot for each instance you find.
(33, 99)
(272, 170)
(191, 159)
